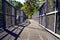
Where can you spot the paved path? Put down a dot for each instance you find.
(35, 32)
(31, 31)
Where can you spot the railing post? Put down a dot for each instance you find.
(46, 8)
(11, 15)
(55, 16)
(39, 17)
(3, 13)
(15, 15)
(56, 4)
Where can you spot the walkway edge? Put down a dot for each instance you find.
(55, 34)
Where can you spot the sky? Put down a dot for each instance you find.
(22, 1)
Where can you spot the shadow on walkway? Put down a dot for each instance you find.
(7, 32)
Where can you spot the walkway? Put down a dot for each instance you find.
(35, 32)
(27, 31)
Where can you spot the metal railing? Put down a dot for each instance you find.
(11, 16)
(50, 19)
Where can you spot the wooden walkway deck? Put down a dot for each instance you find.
(26, 31)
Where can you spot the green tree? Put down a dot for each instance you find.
(0, 10)
(30, 6)
(17, 4)
(11, 1)
(41, 2)
(0, 5)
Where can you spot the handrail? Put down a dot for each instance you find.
(12, 5)
(40, 9)
(10, 13)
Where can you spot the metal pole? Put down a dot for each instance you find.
(55, 18)
(46, 7)
(3, 13)
(39, 17)
(15, 15)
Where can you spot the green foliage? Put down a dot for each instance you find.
(0, 5)
(35, 11)
(41, 2)
(59, 38)
(10, 1)
(30, 7)
(35, 3)
(17, 4)
(0, 10)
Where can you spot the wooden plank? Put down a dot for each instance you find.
(3, 34)
(18, 30)
(11, 28)
(9, 37)
(15, 31)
